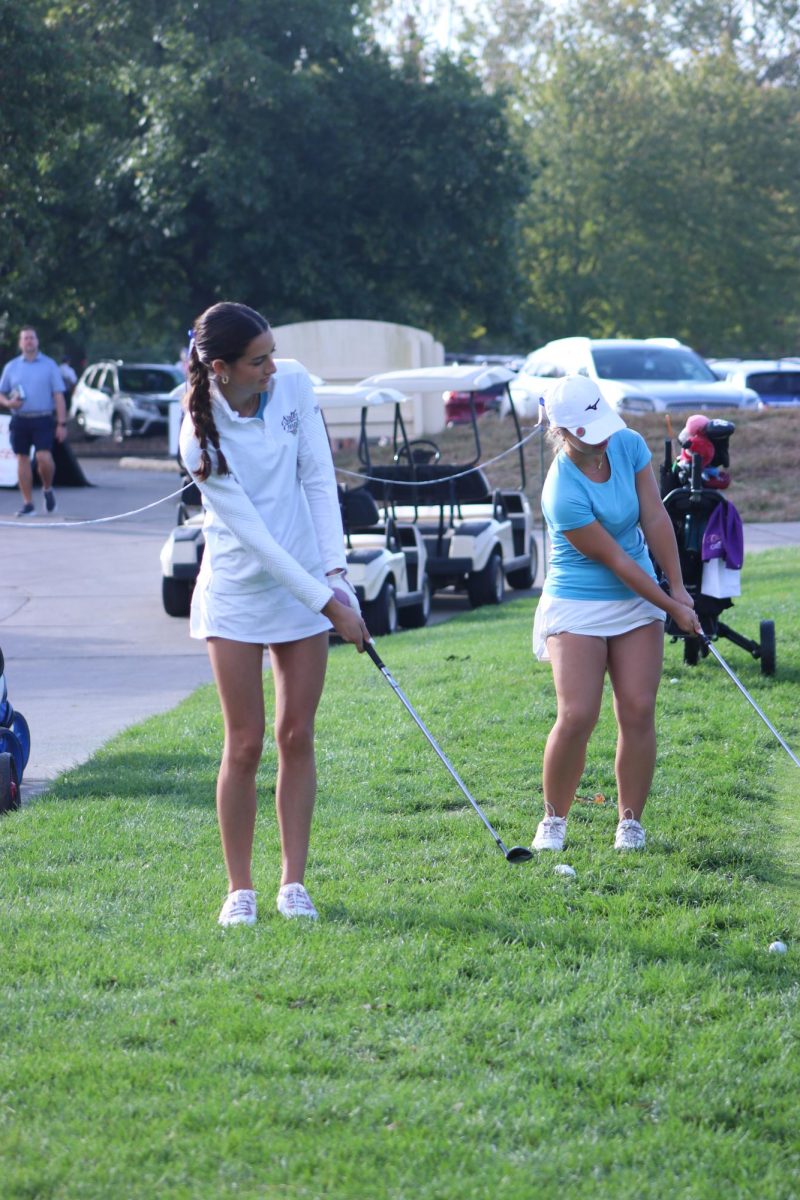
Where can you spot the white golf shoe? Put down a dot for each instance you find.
(294, 901)
(550, 833)
(629, 835)
(239, 908)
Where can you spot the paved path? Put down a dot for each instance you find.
(89, 649)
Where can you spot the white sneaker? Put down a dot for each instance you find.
(550, 834)
(629, 836)
(239, 908)
(294, 901)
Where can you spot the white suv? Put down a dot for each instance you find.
(122, 400)
(637, 375)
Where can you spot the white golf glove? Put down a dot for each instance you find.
(343, 589)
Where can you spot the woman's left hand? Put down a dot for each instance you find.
(680, 594)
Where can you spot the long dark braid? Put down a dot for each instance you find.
(224, 332)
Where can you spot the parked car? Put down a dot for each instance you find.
(776, 380)
(636, 375)
(460, 406)
(122, 400)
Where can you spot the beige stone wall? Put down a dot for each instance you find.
(349, 351)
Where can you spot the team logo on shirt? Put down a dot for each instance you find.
(291, 421)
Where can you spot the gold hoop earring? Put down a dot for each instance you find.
(223, 379)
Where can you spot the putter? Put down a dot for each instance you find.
(710, 646)
(516, 854)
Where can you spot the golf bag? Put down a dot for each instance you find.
(708, 532)
(15, 747)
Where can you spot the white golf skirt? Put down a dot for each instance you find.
(591, 618)
(264, 618)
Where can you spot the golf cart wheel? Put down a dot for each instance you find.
(380, 614)
(414, 616)
(118, 429)
(487, 586)
(176, 596)
(523, 578)
(691, 651)
(767, 636)
(9, 784)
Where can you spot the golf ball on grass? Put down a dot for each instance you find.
(564, 869)
(777, 947)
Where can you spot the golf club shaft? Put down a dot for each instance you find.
(384, 670)
(747, 696)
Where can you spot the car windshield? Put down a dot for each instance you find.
(775, 383)
(148, 379)
(667, 363)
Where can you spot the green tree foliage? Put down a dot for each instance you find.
(664, 144)
(268, 152)
(665, 202)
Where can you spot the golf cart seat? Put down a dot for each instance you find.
(436, 484)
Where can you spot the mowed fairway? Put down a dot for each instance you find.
(454, 1028)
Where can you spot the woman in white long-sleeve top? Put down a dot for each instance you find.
(273, 574)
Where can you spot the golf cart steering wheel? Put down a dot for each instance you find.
(421, 450)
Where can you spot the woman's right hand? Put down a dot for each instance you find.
(347, 623)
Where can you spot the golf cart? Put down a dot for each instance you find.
(477, 537)
(386, 560)
(385, 563)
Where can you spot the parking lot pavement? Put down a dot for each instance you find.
(88, 647)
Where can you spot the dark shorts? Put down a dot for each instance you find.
(27, 432)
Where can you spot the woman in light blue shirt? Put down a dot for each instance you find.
(601, 608)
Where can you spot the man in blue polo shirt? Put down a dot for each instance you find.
(32, 388)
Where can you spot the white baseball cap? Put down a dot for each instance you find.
(575, 404)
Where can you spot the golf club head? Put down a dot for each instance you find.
(519, 854)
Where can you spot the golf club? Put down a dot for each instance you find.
(516, 854)
(710, 646)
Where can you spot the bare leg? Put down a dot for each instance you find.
(25, 477)
(46, 468)
(299, 672)
(634, 665)
(238, 671)
(579, 666)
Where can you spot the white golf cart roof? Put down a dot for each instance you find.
(466, 378)
(359, 395)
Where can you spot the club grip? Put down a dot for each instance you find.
(369, 646)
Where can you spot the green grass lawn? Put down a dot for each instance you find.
(453, 1027)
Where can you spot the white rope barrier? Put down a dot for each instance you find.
(68, 523)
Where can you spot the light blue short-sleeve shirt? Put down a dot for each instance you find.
(570, 501)
(39, 379)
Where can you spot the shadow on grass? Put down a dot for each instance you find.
(185, 779)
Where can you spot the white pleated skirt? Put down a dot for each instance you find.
(591, 618)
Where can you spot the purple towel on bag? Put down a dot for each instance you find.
(724, 536)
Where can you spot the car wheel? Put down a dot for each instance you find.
(80, 421)
(118, 429)
(487, 586)
(767, 647)
(414, 616)
(176, 595)
(524, 577)
(380, 614)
